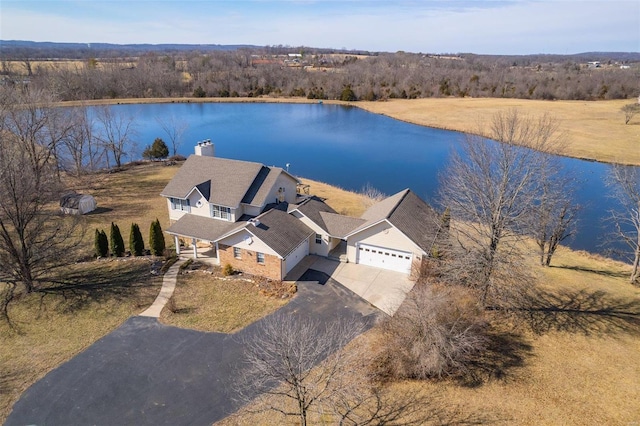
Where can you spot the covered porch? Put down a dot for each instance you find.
(194, 236)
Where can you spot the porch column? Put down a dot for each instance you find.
(195, 248)
(176, 241)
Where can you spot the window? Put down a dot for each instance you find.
(180, 204)
(260, 258)
(318, 239)
(220, 212)
(237, 253)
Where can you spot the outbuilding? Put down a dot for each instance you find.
(74, 203)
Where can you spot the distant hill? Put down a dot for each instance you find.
(19, 49)
(22, 49)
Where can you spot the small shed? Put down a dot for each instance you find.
(74, 203)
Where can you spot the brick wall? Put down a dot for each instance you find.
(248, 262)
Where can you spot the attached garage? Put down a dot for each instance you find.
(296, 256)
(385, 258)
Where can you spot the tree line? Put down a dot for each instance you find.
(253, 72)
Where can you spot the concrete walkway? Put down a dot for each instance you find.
(168, 286)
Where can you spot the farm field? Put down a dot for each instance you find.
(593, 130)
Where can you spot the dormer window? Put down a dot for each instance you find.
(220, 212)
(180, 204)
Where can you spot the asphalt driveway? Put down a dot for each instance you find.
(146, 373)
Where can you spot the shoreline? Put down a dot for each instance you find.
(467, 115)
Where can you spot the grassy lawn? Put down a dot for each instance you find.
(125, 197)
(51, 328)
(206, 301)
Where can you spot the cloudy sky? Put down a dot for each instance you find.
(477, 26)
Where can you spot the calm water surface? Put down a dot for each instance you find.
(347, 147)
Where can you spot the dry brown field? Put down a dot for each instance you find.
(592, 130)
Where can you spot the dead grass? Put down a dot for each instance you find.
(205, 300)
(594, 130)
(128, 196)
(343, 201)
(53, 327)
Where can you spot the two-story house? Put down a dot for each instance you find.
(251, 217)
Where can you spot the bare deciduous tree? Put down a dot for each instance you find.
(371, 195)
(34, 238)
(116, 133)
(29, 117)
(174, 128)
(293, 367)
(80, 151)
(630, 111)
(554, 215)
(436, 332)
(625, 184)
(490, 189)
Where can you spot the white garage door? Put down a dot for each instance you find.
(385, 258)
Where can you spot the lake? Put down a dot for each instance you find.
(346, 147)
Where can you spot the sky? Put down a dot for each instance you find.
(429, 26)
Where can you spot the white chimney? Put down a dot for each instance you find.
(205, 148)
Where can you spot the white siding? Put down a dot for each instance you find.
(244, 240)
(174, 214)
(196, 199)
(381, 235)
(289, 185)
(319, 249)
(296, 256)
(251, 210)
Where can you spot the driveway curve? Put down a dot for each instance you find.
(146, 373)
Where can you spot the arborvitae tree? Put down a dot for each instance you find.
(117, 243)
(156, 239)
(101, 244)
(136, 243)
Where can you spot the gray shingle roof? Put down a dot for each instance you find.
(407, 212)
(417, 220)
(312, 207)
(279, 230)
(229, 179)
(382, 210)
(338, 225)
(260, 198)
(203, 228)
